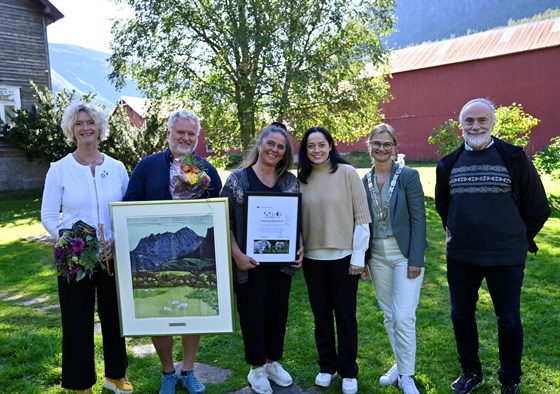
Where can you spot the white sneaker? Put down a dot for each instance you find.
(324, 379)
(277, 374)
(390, 377)
(406, 384)
(349, 386)
(259, 382)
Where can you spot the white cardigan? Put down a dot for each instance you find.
(72, 193)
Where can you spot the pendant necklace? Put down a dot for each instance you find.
(381, 210)
(90, 164)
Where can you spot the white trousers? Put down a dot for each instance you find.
(398, 298)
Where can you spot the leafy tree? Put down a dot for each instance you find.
(128, 143)
(513, 125)
(547, 161)
(243, 63)
(37, 132)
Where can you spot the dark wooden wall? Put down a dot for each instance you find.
(23, 47)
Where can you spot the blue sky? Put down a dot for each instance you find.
(86, 23)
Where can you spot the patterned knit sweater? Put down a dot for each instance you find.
(484, 226)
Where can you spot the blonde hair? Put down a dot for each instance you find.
(72, 112)
(380, 129)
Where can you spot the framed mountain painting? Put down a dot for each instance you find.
(173, 267)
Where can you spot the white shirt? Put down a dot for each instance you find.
(72, 193)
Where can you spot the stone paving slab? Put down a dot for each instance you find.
(47, 238)
(293, 389)
(47, 308)
(13, 298)
(33, 301)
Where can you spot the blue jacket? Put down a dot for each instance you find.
(407, 213)
(150, 179)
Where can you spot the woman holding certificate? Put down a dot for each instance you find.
(335, 229)
(398, 242)
(262, 289)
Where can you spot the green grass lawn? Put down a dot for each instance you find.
(30, 348)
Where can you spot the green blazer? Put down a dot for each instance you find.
(407, 213)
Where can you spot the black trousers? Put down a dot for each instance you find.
(332, 294)
(504, 286)
(262, 304)
(77, 307)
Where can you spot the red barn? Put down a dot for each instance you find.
(431, 82)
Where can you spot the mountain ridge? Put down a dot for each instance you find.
(85, 70)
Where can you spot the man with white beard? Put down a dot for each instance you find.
(492, 205)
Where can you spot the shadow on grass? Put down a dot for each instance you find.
(22, 206)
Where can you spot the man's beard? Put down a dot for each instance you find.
(478, 141)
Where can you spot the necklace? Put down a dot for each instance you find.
(382, 208)
(85, 162)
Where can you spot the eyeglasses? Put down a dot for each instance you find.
(377, 144)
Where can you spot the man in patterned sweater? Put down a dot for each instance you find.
(492, 204)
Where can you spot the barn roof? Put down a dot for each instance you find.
(49, 10)
(137, 104)
(492, 43)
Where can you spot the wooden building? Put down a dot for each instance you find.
(24, 57)
(431, 82)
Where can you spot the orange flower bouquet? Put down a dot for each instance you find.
(188, 178)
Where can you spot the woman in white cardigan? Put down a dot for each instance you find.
(80, 186)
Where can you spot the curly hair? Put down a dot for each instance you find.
(72, 112)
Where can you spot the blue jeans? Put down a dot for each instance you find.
(504, 285)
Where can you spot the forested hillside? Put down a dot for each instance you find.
(420, 21)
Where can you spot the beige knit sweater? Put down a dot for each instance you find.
(332, 205)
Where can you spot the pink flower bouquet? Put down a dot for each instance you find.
(77, 252)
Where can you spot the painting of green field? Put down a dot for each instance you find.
(175, 302)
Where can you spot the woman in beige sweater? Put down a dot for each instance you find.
(335, 227)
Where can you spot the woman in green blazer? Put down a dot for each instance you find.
(398, 241)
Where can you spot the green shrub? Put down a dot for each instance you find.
(547, 160)
(447, 137)
(227, 161)
(513, 125)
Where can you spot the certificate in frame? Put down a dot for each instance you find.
(173, 267)
(273, 226)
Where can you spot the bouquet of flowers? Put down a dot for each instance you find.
(187, 179)
(77, 252)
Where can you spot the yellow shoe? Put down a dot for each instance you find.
(86, 391)
(118, 386)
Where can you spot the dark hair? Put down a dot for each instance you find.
(284, 165)
(280, 124)
(305, 165)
